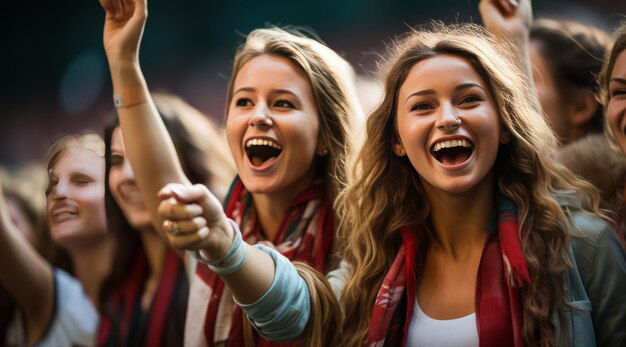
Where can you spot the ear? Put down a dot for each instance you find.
(398, 149)
(505, 135)
(322, 149)
(583, 108)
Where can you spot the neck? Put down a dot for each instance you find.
(92, 264)
(271, 207)
(460, 220)
(155, 249)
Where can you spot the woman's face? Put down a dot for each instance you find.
(616, 109)
(75, 197)
(273, 126)
(123, 186)
(552, 103)
(448, 124)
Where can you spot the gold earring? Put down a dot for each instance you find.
(323, 152)
(399, 150)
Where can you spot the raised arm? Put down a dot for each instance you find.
(26, 275)
(148, 144)
(510, 22)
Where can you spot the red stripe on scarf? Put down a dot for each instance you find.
(311, 247)
(127, 295)
(498, 310)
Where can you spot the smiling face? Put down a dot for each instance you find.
(447, 124)
(123, 186)
(616, 108)
(273, 126)
(75, 197)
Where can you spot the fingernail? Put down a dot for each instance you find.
(514, 2)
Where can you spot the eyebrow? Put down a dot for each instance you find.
(618, 80)
(275, 91)
(457, 88)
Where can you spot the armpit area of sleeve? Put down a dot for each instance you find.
(282, 313)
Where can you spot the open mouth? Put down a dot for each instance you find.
(452, 152)
(260, 150)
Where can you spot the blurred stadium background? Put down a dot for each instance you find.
(55, 78)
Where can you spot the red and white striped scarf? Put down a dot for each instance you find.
(306, 233)
(498, 312)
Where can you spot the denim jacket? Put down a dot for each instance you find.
(595, 287)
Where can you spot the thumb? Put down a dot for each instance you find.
(184, 193)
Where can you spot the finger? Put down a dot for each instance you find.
(184, 226)
(507, 7)
(172, 210)
(185, 194)
(193, 241)
(116, 7)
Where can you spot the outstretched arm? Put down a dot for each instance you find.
(264, 283)
(26, 275)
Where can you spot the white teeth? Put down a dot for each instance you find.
(451, 143)
(263, 142)
(133, 198)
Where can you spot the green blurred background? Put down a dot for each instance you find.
(55, 79)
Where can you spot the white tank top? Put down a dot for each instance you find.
(427, 332)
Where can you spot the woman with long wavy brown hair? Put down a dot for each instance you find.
(451, 205)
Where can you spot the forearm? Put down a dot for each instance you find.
(281, 312)
(148, 145)
(29, 280)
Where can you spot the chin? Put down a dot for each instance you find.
(260, 185)
(140, 222)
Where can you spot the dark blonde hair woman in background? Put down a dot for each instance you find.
(60, 309)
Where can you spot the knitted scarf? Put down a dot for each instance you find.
(123, 321)
(498, 312)
(306, 234)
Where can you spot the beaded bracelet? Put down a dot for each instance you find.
(232, 261)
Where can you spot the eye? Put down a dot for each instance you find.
(243, 102)
(283, 104)
(618, 92)
(81, 181)
(116, 160)
(421, 107)
(470, 99)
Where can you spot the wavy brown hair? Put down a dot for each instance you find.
(375, 208)
(331, 79)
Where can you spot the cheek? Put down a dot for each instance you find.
(614, 113)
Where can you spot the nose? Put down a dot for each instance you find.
(261, 116)
(449, 119)
(127, 170)
(59, 191)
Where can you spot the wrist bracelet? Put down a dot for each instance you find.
(232, 261)
(130, 97)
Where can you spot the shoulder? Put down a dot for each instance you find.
(75, 319)
(593, 242)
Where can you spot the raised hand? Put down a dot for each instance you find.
(123, 28)
(194, 219)
(507, 19)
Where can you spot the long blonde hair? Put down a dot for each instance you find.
(332, 82)
(388, 194)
